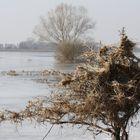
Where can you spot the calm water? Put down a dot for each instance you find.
(16, 91)
(30, 61)
(12, 89)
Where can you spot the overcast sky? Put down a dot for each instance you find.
(19, 17)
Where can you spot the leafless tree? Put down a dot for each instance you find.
(64, 23)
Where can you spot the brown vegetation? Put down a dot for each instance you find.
(12, 73)
(68, 51)
(103, 94)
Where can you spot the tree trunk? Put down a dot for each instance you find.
(124, 136)
(116, 135)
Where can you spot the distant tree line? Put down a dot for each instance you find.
(28, 45)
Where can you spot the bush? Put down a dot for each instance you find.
(68, 51)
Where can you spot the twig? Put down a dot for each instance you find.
(48, 132)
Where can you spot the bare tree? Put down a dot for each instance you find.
(64, 23)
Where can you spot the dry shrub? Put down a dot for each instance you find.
(68, 51)
(103, 94)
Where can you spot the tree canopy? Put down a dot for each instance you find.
(64, 23)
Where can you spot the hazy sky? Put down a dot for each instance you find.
(19, 17)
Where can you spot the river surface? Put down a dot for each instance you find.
(16, 91)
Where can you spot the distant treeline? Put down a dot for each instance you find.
(29, 45)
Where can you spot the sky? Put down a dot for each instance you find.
(18, 18)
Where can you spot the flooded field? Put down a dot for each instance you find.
(16, 91)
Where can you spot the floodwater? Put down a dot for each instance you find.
(16, 91)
